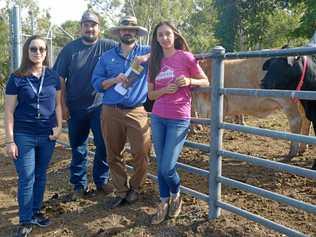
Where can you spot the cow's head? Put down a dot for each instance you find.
(282, 73)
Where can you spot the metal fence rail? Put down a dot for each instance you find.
(265, 53)
(216, 179)
(269, 164)
(268, 133)
(259, 219)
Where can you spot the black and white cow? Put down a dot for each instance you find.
(285, 74)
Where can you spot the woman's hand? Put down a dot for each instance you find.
(12, 150)
(182, 81)
(56, 133)
(171, 88)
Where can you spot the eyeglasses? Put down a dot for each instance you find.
(35, 49)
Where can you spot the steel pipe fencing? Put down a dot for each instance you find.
(217, 125)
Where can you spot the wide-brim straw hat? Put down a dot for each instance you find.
(128, 23)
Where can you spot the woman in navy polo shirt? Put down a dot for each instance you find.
(33, 122)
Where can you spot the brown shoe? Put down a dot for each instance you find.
(105, 189)
(132, 196)
(175, 207)
(161, 214)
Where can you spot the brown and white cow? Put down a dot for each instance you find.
(247, 73)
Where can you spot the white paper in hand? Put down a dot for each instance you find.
(119, 88)
(132, 74)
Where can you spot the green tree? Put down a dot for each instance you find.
(4, 46)
(307, 25)
(282, 24)
(150, 12)
(62, 34)
(228, 21)
(188, 16)
(199, 27)
(254, 24)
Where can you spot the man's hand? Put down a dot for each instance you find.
(121, 78)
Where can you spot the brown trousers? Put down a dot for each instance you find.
(118, 125)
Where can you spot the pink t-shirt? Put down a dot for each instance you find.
(177, 105)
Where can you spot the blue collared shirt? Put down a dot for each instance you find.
(112, 63)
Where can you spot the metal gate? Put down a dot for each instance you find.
(217, 126)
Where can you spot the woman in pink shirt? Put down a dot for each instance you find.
(173, 71)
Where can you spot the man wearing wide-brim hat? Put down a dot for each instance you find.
(128, 23)
(123, 115)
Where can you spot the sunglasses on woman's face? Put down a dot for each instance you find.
(35, 49)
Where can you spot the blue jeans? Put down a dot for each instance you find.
(168, 137)
(79, 126)
(35, 153)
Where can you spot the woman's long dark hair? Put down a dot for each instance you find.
(26, 63)
(156, 53)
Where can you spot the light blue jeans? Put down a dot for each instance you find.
(35, 153)
(168, 137)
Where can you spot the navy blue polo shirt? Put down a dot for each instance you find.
(75, 63)
(25, 114)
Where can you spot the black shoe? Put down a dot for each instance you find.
(132, 196)
(89, 193)
(40, 220)
(115, 202)
(78, 194)
(23, 230)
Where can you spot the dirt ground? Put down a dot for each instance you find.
(91, 218)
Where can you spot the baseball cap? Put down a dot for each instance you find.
(89, 16)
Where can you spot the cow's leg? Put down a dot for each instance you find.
(200, 108)
(239, 119)
(306, 124)
(295, 124)
(197, 127)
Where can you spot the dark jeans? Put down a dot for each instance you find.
(79, 126)
(35, 153)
